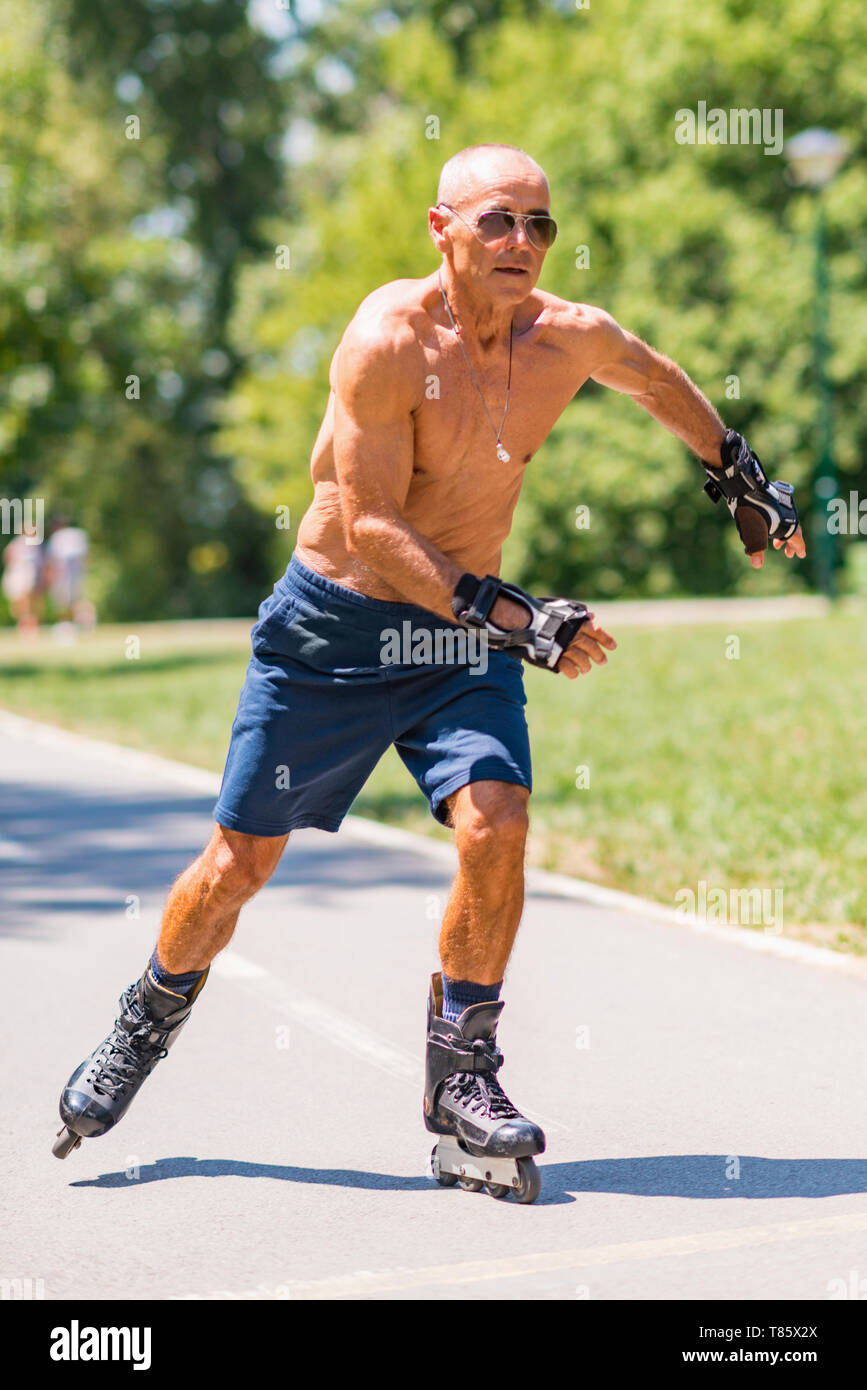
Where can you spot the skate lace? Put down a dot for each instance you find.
(121, 1056)
(489, 1097)
(481, 1092)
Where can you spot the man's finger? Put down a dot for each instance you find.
(590, 640)
(583, 643)
(574, 663)
(797, 543)
(591, 629)
(794, 545)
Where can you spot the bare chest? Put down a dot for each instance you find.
(463, 411)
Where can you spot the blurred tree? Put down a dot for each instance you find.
(203, 80)
(702, 249)
(140, 147)
(339, 56)
(195, 196)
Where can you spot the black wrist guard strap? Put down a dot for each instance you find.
(760, 509)
(552, 623)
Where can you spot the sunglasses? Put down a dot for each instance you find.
(539, 229)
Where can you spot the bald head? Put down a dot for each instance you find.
(471, 169)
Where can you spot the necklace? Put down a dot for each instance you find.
(502, 453)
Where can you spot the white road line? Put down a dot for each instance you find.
(363, 1282)
(320, 1018)
(15, 849)
(338, 1028)
(392, 837)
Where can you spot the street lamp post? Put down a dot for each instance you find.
(814, 158)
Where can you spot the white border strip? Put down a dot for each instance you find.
(392, 837)
(612, 899)
(133, 759)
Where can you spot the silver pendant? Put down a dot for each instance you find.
(503, 454)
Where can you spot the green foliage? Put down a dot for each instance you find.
(114, 289)
(158, 258)
(703, 250)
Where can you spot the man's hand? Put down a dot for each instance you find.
(509, 615)
(578, 656)
(794, 546)
(586, 648)
(761, 510)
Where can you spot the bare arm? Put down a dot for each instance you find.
(625, 363)
(376, 390)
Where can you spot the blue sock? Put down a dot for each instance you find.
(181, 984)
(460, 994)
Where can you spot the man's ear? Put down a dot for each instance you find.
(438, 220)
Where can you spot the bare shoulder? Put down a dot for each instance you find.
(390, 318)
(381, 343)
(570, 322)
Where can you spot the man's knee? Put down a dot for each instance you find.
(239, 865)
(491, 815)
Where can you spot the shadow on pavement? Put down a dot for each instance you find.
(701, 1176)
(92, 850)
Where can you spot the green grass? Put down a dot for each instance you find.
(744, 773)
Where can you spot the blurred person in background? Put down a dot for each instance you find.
(65, 570)
(23, 578)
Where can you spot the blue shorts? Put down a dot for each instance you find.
(335, 678)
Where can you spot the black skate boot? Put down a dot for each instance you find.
(487, 1142)
(99, 1092)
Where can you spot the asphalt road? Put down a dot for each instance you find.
(704, 1103)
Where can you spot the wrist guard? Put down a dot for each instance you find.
(760, 509)
(552, 623)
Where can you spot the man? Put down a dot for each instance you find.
(442, 390)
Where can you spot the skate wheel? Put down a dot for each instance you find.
(471, 1184)
(66, 1141)
(444, 1179)
(529, 1181)
(497, 1189)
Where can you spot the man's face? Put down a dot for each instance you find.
(505, 270)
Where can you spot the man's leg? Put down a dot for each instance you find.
(484, 909)
(463, 1096)
(203, 905)
(198, 921)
